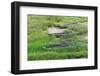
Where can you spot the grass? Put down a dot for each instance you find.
(56, 55)
(42, 46)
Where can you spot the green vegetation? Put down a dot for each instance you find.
(72, 44)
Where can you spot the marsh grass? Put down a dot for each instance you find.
(42, 46)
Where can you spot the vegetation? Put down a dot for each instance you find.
(71, 44)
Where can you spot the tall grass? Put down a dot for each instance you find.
(42, 46)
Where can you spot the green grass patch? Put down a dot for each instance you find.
(71, 45)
